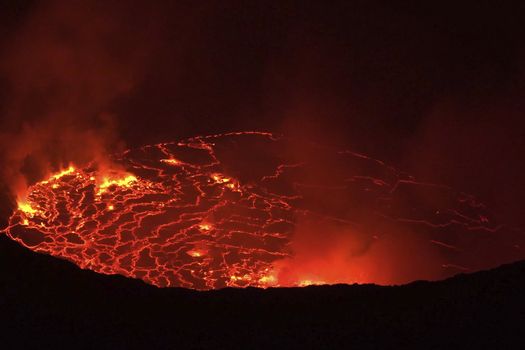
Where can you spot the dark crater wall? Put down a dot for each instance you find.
(47, 302)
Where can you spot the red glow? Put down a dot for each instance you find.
(247, 209)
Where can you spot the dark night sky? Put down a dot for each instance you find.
(436, 90)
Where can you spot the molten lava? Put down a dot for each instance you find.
(252, 209)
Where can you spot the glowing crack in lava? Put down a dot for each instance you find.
(252, 209)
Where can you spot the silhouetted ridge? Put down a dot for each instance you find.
(52, 300)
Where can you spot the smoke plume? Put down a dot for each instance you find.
(64, 66)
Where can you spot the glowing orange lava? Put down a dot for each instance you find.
(247, 209)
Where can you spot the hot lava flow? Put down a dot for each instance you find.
(253, 209)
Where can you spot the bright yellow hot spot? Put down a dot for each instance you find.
(205, 227)
(123, 182)
(218, 178)
(241, 278)
(111, 207)
(68, 171)
(171, 161)
(305, 283)
(58, 175)
(26, 208)
(270, 279)
(196, 253)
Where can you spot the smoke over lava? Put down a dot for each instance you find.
(251, 208)
(241, 209)
(63, 67)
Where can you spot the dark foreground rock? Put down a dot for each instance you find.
(46, 302)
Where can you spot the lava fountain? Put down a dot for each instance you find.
(253, 209)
